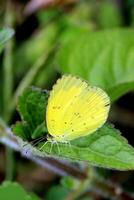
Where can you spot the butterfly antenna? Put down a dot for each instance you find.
(37, 141)
(32, 142)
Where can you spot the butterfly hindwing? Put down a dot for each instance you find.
(75, 109)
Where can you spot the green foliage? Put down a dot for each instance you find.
(32, 50)
(70, 183)
(104, 148)
(57, 192)
(104, 58)
(109, 15)
(32, 108)
(5, 35)
(14, 191)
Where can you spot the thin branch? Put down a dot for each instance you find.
(109, 189)
(52, 164)
(7, 65)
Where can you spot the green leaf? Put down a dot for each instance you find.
(32, 108)
(39, 130)
(57, 192)
(104, 148)
(22, 130)
(70, 183)
(104, 58)
(9, 190)
(108, 15)
(5, 35)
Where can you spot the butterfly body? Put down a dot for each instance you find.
(75, 109)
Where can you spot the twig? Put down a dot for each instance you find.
(8, 87)
(7, 65)
(55, 165)
(109, 189)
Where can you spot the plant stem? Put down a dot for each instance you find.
(52, 164)
(10, 164)
(8, 88)
(7, 67)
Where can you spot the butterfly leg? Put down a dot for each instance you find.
(51, 148)
(43, 145)
(58, 148)
(70, 146)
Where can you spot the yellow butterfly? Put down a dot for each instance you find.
(75, 109)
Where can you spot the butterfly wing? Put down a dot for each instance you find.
(75, 109)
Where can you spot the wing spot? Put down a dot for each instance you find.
(56, 107)
(77, 114)
(65, 122)
(107, 104)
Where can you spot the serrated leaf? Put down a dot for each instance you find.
(104, 58)
(5, 34)
(22, 130)
(32, 108)
(39, 130)
(104, 148)
(9, 190)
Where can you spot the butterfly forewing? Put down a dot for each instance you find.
(75, 109)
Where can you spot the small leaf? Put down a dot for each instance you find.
(5, 34)
(57, 192)
(104, 148)
(22, 130)
(108, 64)
(39, 130)
(32, 108)
(9, 190)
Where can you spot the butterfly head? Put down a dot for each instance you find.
(56, 139)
